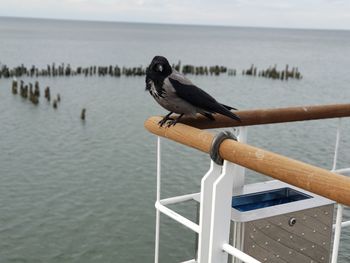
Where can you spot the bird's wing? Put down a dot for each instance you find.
(175, 75)
(198, 97)
(186, 90)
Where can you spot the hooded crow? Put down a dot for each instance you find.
(176, 93)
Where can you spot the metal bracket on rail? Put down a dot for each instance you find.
(218, 139)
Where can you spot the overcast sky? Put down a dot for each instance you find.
(329, 14)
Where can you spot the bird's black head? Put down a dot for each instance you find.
(158, 70)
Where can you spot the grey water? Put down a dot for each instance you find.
(73, 191)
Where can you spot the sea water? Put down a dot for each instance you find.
(74, 191)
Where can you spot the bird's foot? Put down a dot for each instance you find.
(173, 122)
(164, 120)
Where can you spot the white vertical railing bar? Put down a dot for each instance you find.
(337, 232)
(156, 252)
(205, 211)
(239, 171)
(336, 148)
(338, 223)
(238, 181)
(221, 214)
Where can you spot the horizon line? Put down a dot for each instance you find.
(170, 24)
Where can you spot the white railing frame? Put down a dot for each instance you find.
(221, 214)
(159, 167)
(205, 210)
(337, 227)
(215, 202)
(238, 254)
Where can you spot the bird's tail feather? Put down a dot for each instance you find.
(226, 111)
(228, 107)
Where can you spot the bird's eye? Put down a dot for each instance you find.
(158, 68)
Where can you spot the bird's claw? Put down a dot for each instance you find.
(171, 123)
(163, 121)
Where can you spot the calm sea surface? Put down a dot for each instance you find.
(84, 192)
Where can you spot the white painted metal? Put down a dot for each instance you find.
(343, 224)
(338, 223)
(336, 150)
(156, 252)
(237, 239)
(205, 211)
(190, 261)
(239, 171)
(178, 199)
(239, 254)
(177, 217)
(215, 209)
(239, 179)
(243, 134)
(343, 171)
(221, 214)
(337, 232)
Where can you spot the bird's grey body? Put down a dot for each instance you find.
(176, 93)
(169, 100)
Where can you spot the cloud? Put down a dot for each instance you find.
(285, 13)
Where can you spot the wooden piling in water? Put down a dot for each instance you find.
(37, 89)
(286, 74)
(14, 86)
(34, 99)
(24, 91)
(31, 93)
(82, 115)
(47, 93)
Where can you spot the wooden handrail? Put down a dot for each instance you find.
(311, 178)
(266, 116)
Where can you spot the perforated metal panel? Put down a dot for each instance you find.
(303, 236)
(295, 232)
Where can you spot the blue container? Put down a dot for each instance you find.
(269, 198)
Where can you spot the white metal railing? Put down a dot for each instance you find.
(159, 167)
(177, 217)
(214, 218)
(238, 254)
(339, 217)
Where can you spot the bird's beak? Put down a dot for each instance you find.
(160, 68)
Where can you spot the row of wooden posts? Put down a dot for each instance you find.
(27, 91)
(63, 70)
(273, 73)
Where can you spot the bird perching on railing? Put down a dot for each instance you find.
(177, 94)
